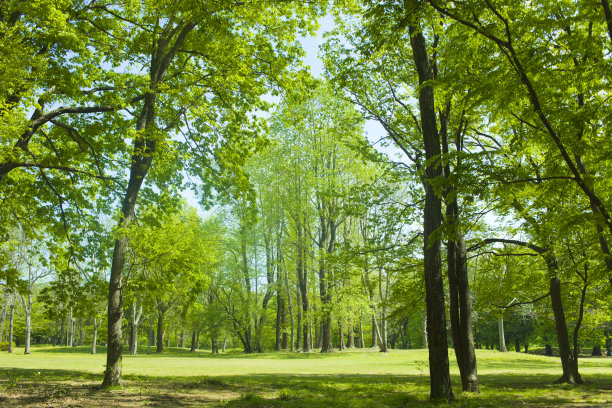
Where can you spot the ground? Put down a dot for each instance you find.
(70, 377)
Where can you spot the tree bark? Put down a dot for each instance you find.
(290, 304)
(302, 275)
(94, 341)
(568, 363)
(361, 340)
(193, 341)
(440, 384)
(142, 158)
(375, 334)
(3, 316)
(299, 321)
(351, 334)
(28, 323)
(280, 310)
(134, 323)
(266, 299)
(501, 335)
(161, 311)
(11, 320)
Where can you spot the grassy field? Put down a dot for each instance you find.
(60, 377)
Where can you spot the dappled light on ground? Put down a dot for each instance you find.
(348, 379)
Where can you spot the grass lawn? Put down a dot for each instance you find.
(62, 376)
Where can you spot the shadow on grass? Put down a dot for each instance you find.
(30, 387)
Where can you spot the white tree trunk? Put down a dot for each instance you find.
(28, 324)
(502, 338)
(95, 336)
(424, 331)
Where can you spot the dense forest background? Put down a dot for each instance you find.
(480, 219)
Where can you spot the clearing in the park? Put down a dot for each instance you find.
(60, 377)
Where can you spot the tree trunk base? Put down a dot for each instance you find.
(570, 379)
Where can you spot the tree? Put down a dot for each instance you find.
(191, 50)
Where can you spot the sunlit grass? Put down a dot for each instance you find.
(359, 378)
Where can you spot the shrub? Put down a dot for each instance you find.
(4, 346)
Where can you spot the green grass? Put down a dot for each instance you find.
(69, 376)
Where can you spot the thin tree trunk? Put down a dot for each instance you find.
(71, 329)
(298, 346)
(375, 334)
(160, 330)
(151, 335)
(351, 333)
(61, 337)
(94, 336)
(193, 341)
(3, 316)
(28, 328)
(501, 335)
(361, 340)
(11, 319)
(290, 313)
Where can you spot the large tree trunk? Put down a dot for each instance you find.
(440, 384)
(469, 377)
(145, 145)
(568, 362)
